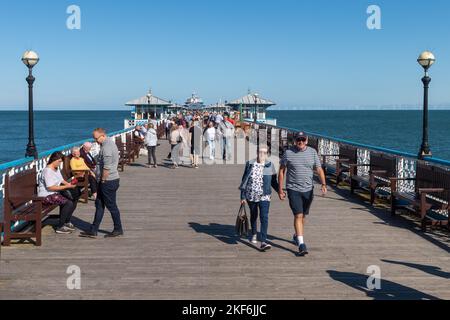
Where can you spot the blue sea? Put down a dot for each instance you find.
(399, 130)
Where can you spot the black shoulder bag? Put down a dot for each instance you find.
(242, 223)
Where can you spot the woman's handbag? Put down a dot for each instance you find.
(242, 223)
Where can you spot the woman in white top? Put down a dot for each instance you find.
(151, 141)
(211, 139)
(51, 183)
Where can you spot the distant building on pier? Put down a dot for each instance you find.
(194, 103)
(148, 107)
(253, 104)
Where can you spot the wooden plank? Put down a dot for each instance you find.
(179, 243)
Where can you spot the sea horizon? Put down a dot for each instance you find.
(275, 108)
(394, 129)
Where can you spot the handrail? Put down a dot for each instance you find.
(24, 161)
(19, 162)
(362, 145)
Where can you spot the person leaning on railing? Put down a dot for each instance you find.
(77, 164)
(54, 188)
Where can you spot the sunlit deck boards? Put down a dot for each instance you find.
(180, 244)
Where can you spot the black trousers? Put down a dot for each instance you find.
(151, 155)
(93, 184)
(66, 211)
(107, 198)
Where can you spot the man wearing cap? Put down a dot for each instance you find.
(298, 165)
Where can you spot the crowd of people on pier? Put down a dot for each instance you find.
(192, 131)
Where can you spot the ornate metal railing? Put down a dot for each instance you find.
(131, 123)
(406, 162)
(20, 165)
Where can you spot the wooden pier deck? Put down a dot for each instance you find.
(180, 244)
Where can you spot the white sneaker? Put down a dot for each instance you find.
(265, 246)
(63, 230)
(254, 239)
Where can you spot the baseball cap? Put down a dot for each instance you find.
(300, 136)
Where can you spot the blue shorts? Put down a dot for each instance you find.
(300, 202)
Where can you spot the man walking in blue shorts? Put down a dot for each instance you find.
(298, 165)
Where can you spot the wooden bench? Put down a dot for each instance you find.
(130, 148)
(123, 160)
(347, 155)
(138, 144)
(430, 199)
(81, 175)
(382, 168)
(22, 204)
(126, 151)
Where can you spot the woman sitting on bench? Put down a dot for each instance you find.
(56, 191)
(78, 164)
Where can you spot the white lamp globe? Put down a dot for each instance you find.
(426, 59)
(30, 58)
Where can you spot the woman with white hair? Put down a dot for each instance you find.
(260, 176)
(77, 164)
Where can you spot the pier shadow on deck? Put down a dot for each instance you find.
(403, 219)
(389, 290)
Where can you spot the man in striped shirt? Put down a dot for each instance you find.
(298, 165)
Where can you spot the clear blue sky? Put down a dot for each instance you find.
(298, 53)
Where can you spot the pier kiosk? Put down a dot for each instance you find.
(252, 104)
(147, 107)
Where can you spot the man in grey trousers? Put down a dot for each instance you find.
(108, 186)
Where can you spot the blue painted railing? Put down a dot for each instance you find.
(365, 146)
(23, 161)
(26, 161)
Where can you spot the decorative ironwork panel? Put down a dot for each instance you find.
(363, 158)
(327, 147)
(40, 164)
(406, 168)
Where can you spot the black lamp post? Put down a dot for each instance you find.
(30, 59)
(149, 96)
(255, 114)
(426, 60)
(255, 120)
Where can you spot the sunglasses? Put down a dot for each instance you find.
(301, 140)
(96, 139)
